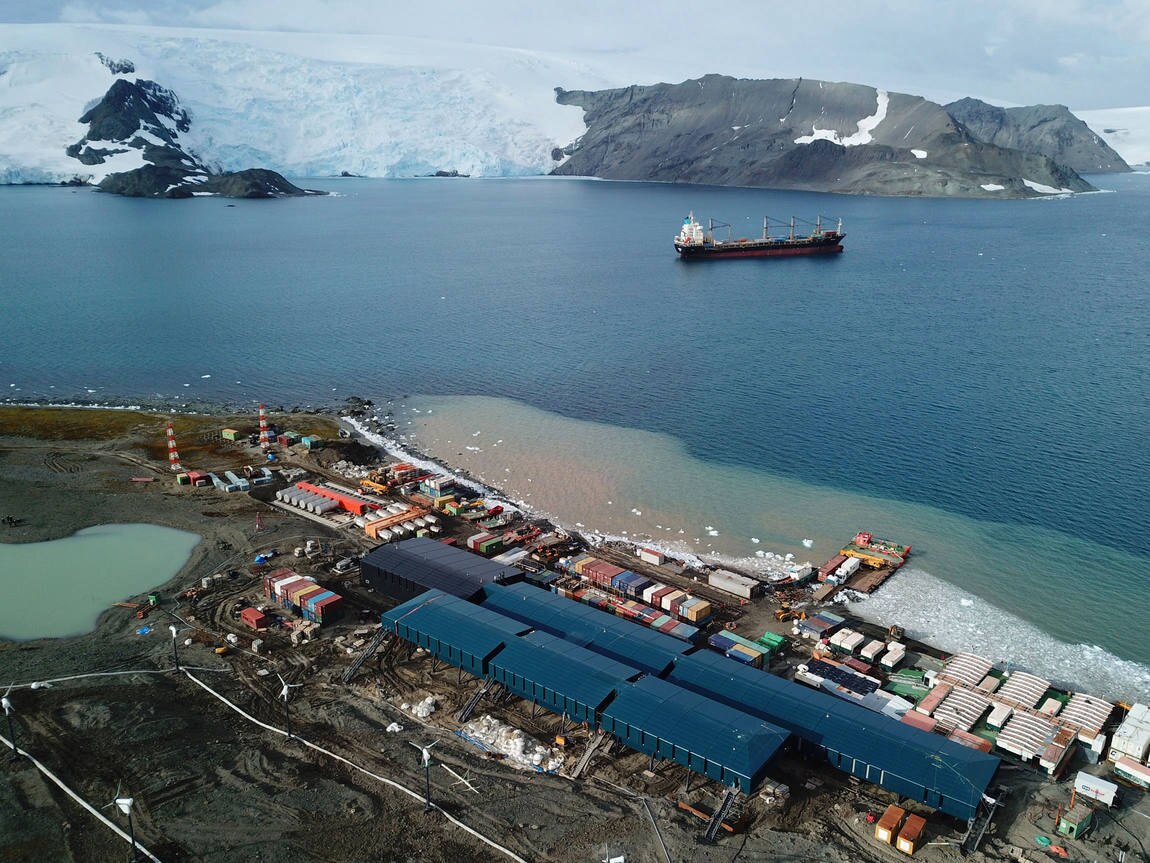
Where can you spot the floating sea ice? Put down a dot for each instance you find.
(659, 526)
(475, 434)
(187, 385)
(610, 502)
(709, 527)
(755, 540)
(760, 553)
(204, 377)
(808, 543)
(789, 557)
(967, 603)
(636, 511)
(712, 533)
(578, 524)
(680, 530)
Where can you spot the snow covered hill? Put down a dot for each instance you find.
(301, 104)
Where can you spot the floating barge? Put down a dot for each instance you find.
(693, 242)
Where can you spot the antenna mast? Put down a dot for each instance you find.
(173, 453)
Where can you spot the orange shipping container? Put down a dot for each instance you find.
(887, 827)
(911, 833)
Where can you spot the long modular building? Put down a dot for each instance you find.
(588, 627)
(918, 764)
(647, 714)
(915, 763)
(402, 570)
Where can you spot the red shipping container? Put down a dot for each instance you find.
(254, 618)
(327, 610)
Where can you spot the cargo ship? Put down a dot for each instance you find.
(693, 242)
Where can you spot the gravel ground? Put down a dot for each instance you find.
(210, 785)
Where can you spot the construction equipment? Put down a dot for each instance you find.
(788, 613)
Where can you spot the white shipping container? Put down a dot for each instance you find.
(848, 567)
(652, 556)
(1132, 738)
(1093, 788)
(732, 582)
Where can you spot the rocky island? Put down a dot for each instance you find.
(142, 120)
(810, 135)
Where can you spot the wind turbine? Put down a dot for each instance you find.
(175, 630)
(6, 702)
(284, 695)
(425, 751)
(124, 804)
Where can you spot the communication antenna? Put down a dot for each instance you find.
(173, 453)
(125, 804)
(266, 440)
(425, 751)
(284, 693)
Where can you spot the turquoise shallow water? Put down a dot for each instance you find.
(59, 588)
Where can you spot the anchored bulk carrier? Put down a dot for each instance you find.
(694, 242)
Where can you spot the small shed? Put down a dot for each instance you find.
(254, 618)
(1075, 821)
(888, 826)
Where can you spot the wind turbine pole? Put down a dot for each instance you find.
(132, 835)
(287, 719)
(175, 653)
(427, 785)
(11, 728)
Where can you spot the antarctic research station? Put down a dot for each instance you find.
(731, 693)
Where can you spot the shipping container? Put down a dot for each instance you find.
(733, 583)
(1132, 771)
(848, 568)
(888, 825)
(672, 600)
(745, 656)
(231, 434)
(999, 715)
(911, 834)
(828, 568)
(650, 590)
(872, 650)
(652, 556)
(919, 720)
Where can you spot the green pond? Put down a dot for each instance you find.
(59, 588)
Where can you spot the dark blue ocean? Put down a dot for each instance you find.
(984, 363)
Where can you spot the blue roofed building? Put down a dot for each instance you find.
(588, 627)
(713, 739)
(405, 569)
(452, 629)
(559, 676)
(917, 764)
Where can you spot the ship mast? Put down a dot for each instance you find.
(792, 227)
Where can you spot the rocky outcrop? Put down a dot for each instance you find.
(1047, 129)
(797, 134)
(142, 121)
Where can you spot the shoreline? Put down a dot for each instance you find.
(1078, 665)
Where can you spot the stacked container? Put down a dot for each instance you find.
(652, 556)
(911, 834)
(896, 653)
(828, 568)
(887, 828)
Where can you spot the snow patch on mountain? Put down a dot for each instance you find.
(862, 135)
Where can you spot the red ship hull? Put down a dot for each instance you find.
(829, 245)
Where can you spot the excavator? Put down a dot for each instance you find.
(786, 612)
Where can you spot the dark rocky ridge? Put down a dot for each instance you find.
(144, 116)
(733, 132)
(1048, 129)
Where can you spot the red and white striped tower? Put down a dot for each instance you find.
(173, 454)
(266, 439)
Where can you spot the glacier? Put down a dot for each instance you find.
(301, 104)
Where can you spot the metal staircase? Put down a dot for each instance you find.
(720, 815)
(379, 638)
